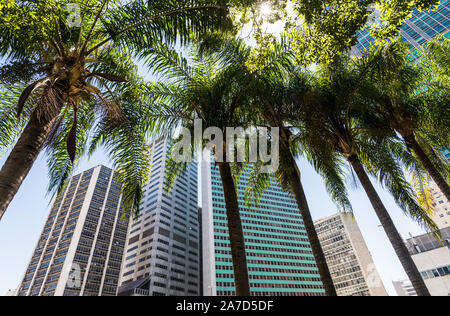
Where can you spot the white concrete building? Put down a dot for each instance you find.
(351, 265)
(433, 261)
(162, 250)
(80, 249)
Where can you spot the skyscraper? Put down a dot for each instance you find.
(279, 255)
(348, 258)
(162, 252)
(80, 249)
(419, 29)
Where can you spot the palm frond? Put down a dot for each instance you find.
(10, 124)
(421, 186)
(174, 168)
(138, 23)
(379, 163)
(256, 185)
(60, 164)
(126, 144)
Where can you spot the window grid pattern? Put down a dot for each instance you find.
(279, 256)
(419, 29)
(341, 258)
(162, 250)
(98, 251)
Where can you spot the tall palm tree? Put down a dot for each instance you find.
(332, 109)
(406, 101)
(272, 99)
(68, 72)
(214, 90)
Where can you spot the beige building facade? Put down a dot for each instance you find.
(351, 265)
(79, 252)
(441, 205)
(433, 261)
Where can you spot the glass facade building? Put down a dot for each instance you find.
(279, 255)
(162, 252)
(79, 252)
(419, 29)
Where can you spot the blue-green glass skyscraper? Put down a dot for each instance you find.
(279, 255)
(419, 29)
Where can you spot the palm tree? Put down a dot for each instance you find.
(435, 65)
(272, 98)
(407, 100)
(214, 90)
(68, 73)
(332, 110)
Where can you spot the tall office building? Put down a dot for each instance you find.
(419, 29)
(404, 288)
(433, 261)
(80, 249)
(200, 251)
(349, 260)
(441, 215)
(162, 250)
(279, 256)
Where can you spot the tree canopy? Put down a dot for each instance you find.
(326, 28)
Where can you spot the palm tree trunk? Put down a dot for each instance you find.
(235, 231)
(428, 165)
(319, 256)
(390, 229)
(22, 157)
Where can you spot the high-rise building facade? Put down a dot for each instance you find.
(432, 258)
(441, 214)
(162, 251)
(419, 29)
(349, 260)
(279, 255)
(79, 252)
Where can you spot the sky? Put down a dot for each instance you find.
(22, 223)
